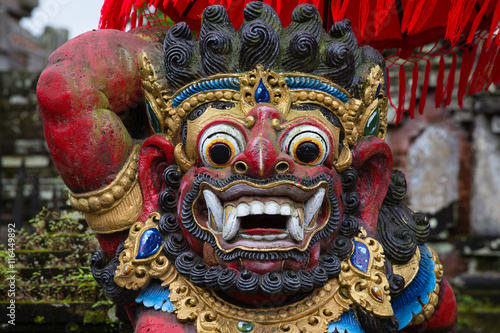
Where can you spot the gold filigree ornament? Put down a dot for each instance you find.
(118, 205)
(214, 314)
(274, 84)
(362, 278)
(410, 269)
(359, 117)
(135, 272)
(312, 314)
(158, 94)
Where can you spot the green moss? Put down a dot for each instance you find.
(96, 316)
(53, 258)
(474, 313)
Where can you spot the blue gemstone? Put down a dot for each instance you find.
(378, 91)
(361, 256)
(149, 243)
(261, 93)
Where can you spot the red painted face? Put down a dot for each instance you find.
(263, 187)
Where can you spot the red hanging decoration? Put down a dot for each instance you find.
(495, 22)
(477, 20)
(481, 73)
(423, 95)
(438, 97)
(458, 18)
(339, 8)
(402, 94)
(467, 63)
(416, 15)
(382, 10)
(364, 11)
(404, 25)
(450, 84)
(413, 96)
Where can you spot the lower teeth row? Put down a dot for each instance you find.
(264, 237)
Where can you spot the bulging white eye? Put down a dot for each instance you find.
(219, 144)
(306, 144)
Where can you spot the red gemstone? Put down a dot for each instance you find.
(377, 293)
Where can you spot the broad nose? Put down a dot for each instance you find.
(262, 157)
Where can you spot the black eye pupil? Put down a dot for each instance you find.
(220, 153)
(307, 152)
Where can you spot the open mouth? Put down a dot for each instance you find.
(279, 216)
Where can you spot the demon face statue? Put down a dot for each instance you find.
(238, 182)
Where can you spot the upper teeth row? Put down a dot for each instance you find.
(227, 219)
(258, 208)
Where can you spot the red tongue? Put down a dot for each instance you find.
(263, 231)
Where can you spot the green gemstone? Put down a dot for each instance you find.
(372, 125)
(152, 118)
(245, 326)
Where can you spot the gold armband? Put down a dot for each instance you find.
(115, 207)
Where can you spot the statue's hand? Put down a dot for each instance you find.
(90, 84)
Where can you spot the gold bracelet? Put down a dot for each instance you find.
(117, 206)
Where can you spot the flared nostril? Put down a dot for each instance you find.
(282, 167)
(240, 167)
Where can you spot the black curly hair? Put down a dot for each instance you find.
(303, 46)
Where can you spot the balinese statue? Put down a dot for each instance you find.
(239, 181)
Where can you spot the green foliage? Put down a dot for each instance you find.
(105, 302)
(53, 257)
(73, 327)
(467, 301)
(477, 313)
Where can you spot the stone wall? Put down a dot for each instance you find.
(28, 178)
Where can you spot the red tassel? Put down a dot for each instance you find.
(416, 14)
(493, 64)
(413, 96)
(458, 17)
(438, 97)
(488, 69)
(425, 85)
(494, 24)
(335, 8)
(278, 7)
(495, 72)
(494, 77)
(339, 7)
(423, 95)
(477, 20)
(389, 87)
(410, 12)
(382, 9)
(462, 80)
(402, 94)
(364, 11)
(450, 85)
(133, 18)
(111, 14)
(481, 72)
